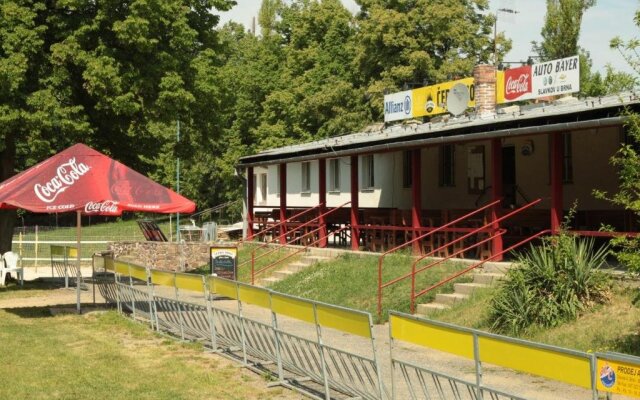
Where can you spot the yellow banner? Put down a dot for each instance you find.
(500, 87)
(108, 264)
(343, 320)
(223, 287)
(294, 308)
(190, 282)
(618, 377)
(121, 268)
(549, 363)
(72, 252)
(254, 295)
(138, 272)
(424, 333)
(432, 100)
(162, 278)
(57, 251)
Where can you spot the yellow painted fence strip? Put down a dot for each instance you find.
(254, 295)
(162, 278)
(190, 282)
(108, 264)
(291, 307)
(121, 268)
(433, 336)
(223, 287)
(549, 363)
(57, 251)
(138, 272)
(344, 320)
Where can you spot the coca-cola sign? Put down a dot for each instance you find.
(105, 207)
(517, 82)
(67, 174)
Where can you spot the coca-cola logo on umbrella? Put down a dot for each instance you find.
(105, 207)
(66, 175)
(517, 82)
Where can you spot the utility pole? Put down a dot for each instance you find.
(178, 181)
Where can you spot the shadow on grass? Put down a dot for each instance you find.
(30, 312)
(13, 285)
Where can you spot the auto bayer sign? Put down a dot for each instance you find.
(549, 78)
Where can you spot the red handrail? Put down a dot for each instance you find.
(464, 271)
(311, 221)
(431, 232)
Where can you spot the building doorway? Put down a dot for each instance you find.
(509, 187)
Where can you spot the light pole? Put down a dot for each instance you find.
(495, 32)
(178, 181)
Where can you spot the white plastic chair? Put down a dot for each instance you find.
(10, 261)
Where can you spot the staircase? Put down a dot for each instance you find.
(487, 277)
(308, 259)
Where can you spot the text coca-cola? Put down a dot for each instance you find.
(66, 175)
(110, 207)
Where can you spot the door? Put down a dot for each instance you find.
(509, 176)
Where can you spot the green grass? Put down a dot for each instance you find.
(105, 356)
(352, 281)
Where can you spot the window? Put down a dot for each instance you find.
(367, 172)
(263, 187)
(406, 169)
(334, 175)
(255, 188)
(447, 165)
(306, 177)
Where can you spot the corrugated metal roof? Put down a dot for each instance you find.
(413, 130)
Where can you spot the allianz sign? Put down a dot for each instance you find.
(398, 106)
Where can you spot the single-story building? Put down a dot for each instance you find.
(497, 176)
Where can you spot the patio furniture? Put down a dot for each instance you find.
(9, 264)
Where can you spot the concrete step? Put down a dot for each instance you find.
(450, 298)
(487, 278)
(296, 266)
(268, 281)
(495, 267)
(282, 274)
(468, 288)
(315, 258)
(428, 308)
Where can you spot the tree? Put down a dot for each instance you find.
(421, 41)
(115, 75)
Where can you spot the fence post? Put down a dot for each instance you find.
(375, 359)
(594, 388)
(115, 283)
(391, 342)
(274, 323)
(149, 290)
(133, 299)
(155, 307)
(327, 391)
(66, 273)
(242, 330)
(175, 285)
(212, 318)
(36, 248)
(476, 358)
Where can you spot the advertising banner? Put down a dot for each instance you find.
(617, 376)
(398, 106)
(550, 78)
(432, 100)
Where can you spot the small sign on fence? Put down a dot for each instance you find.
(224, 261)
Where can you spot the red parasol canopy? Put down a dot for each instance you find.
(82, 179)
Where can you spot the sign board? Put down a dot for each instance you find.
(549, 78)
(432, 100)
(618, 376)
(398, 106)
(224, 261)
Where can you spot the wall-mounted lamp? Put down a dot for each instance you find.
(527, 148)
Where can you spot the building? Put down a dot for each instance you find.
(517, 169)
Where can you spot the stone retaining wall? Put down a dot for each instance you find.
(163, 255)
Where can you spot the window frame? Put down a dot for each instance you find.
(447, 173)
(368, 172)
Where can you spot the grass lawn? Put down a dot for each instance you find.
(105, 356)
(352, 281)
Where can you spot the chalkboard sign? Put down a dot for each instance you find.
(224, 261)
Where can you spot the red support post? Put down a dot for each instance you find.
(416, 196)
(322, 194)
(250, 196)
(283, 201)
(496, 194)
(556, 182)
(355, 233)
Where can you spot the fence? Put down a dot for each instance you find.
(563, 365)
(189, 306)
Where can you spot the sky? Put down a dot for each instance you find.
(607, 19)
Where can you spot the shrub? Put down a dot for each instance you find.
(550, 284)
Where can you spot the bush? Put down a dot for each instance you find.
(550, 284)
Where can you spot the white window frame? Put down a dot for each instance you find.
(305, 172)
(368, 176)
(263, 187)
(334, 175)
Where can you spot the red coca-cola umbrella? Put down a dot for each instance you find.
(88, 182)
(82, 179)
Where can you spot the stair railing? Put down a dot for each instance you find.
(444, 227)
(474, 266)
(292, 241)
(282, 223)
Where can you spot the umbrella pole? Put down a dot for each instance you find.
(78, 275)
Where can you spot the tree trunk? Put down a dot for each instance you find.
(7, 168)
